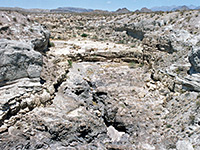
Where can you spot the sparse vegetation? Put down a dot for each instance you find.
(51, 44)
(192, 119)
(31, 30)
(198, 104)
(15, 19)
(132, 64)
(168, 125)
(84, 35)
(69, 63)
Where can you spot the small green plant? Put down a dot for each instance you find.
(198, 104)
(84, 35)
(132, 46)
(69, 63)
(120, 42)
(182, 12)
(141, 65)
(95, 37)
(192, 119)
(51, 44)
(132, 64)
(168, 125)
(15, 19)
(31, 29)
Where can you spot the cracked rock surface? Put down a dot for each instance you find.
(136, 90)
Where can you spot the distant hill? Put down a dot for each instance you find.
(197, 7)
(181, 8)
(144, 9)
(35, 10)
(122, 11)
(174, 8)
(71, 10)
(83, 10)
(163, 8)
(97, 11)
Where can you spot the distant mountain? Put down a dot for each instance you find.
(122, 11)
(197, 7)
(174, 8)
(144, 9)
(181, 8)
(163, 8)
(70, 10)
(33, 10)
(192, 6)
(97, 11)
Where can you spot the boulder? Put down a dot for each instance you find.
(18, 60)
(184, 145)
(194, 58)
(20, 27)
(41, 43)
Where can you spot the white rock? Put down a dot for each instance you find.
(147, 147)
(184, 145)
(114, 134)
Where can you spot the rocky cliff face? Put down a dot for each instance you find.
(21, 46)
(15, 26)
(128, 81)
(18, 60)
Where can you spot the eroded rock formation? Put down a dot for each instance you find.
(112, 82)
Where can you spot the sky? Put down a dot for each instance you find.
(95, 4)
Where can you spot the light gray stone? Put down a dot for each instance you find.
(194, 58)
(114, 134)
(184, 145)
(18, 60)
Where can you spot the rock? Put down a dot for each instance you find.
(3, 128)
(184, 145)
(108, 99)
(146, 146)
(114, 134)
(20, 63)
(18, 60)
(17, 26)
(41, 44)
(194, 58)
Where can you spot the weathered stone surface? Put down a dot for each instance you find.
(184, 145)
(21, 65)
(20, 27)
(18, 60)
(114, 134)
(194, 58)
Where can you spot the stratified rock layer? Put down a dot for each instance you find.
(194, 59)
(18, 60)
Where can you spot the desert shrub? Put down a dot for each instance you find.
(168, 125)
(31, 30)
(84, 35)
(132, 64)
(15, 19)
(192, 119)
(70, 63)
(51, 44)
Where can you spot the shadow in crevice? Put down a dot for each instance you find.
(132, 32)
